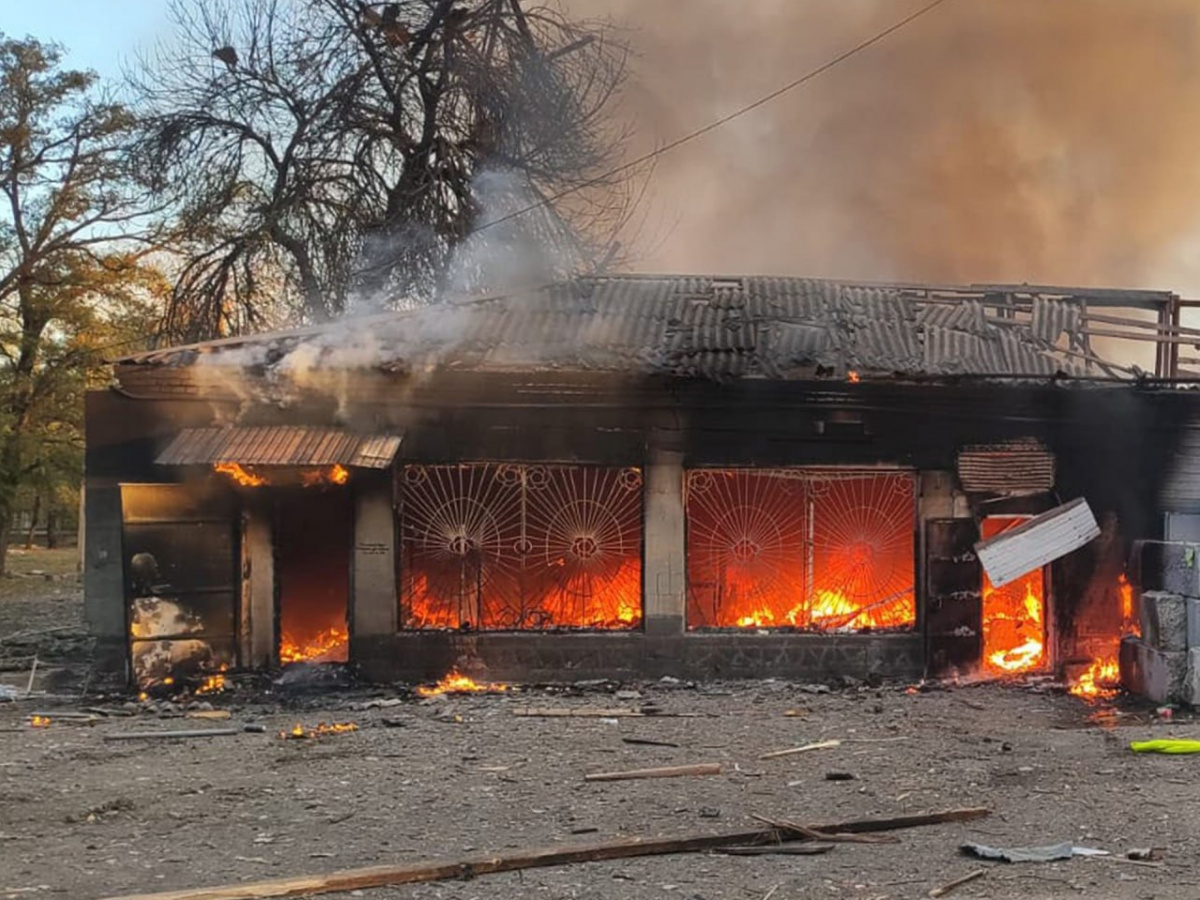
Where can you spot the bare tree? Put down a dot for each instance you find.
(65, 275)
(319, 149)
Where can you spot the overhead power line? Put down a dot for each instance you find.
(716, 123)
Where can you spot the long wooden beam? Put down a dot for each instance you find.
(626, 848)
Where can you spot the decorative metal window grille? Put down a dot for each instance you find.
(820, 549)
(512, 547)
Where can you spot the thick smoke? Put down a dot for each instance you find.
(990, 140)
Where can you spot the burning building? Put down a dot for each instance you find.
(637, 476)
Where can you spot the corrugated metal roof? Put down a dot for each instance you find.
(1040, 541)
(279, 446)
(765, 327)
(1022, 466)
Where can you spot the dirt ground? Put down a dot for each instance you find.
(84, 818)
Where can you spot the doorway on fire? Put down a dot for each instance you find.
(313, 532)
(802, 548)
(515, 547)
(1014, 616)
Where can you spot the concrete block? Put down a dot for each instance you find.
(1193, 622)
(1172, 566)
(1191, 686)
(1164, 621)
(1157, 675)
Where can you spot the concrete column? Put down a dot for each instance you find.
(663, 566)
(258, 589)
(373, 599)
(103, 569)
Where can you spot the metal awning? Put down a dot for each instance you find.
(285, 445)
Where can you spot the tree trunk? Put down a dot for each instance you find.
(37, 511)
(51, 528)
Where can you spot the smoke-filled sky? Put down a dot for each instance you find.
(990, 140)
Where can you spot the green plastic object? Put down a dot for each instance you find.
(1165, 745)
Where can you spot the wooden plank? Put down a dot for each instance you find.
(792, 751)
(627, 848)
(664, 772)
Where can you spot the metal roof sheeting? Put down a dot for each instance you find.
(687, 326)
(1040, 541)
(279, 446)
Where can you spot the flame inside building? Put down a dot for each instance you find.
(1014, 616)
(804, 549)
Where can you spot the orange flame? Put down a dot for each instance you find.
(324, 643)
(1099, 681)
(457, 683)
(1129, 619)
(853, 377)
(1014, 632)
(239, 475)
(39, 721)
(1013, 636)
(214, 684)
(334, 474)
(299, 732)
(610, 599)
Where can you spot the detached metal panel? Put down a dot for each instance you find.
(1040, 541)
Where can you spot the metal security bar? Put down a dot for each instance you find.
(816, 549)
(513, 547)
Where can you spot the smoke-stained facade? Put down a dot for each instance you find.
(642, 476)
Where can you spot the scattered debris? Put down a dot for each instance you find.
(593, 712)
(38, 721)
(957, 882)
(839, 776)
(8, 693)
(782, 849)
(791, 751)
(192, 733)
(209, 714)
(814, 834)
(664, 772)
(1165, 745)
(1144, 854)
(647, 742)
(1030, 854)
(488, 864)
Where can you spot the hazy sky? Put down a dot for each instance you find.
(99, 34)
(990, 141)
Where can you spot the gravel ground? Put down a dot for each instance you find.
(448, 777)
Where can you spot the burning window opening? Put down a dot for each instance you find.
(455, 682)
(1014, 616)
(252, 477)
(521, 548)
(812, 549)
(313, 535)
